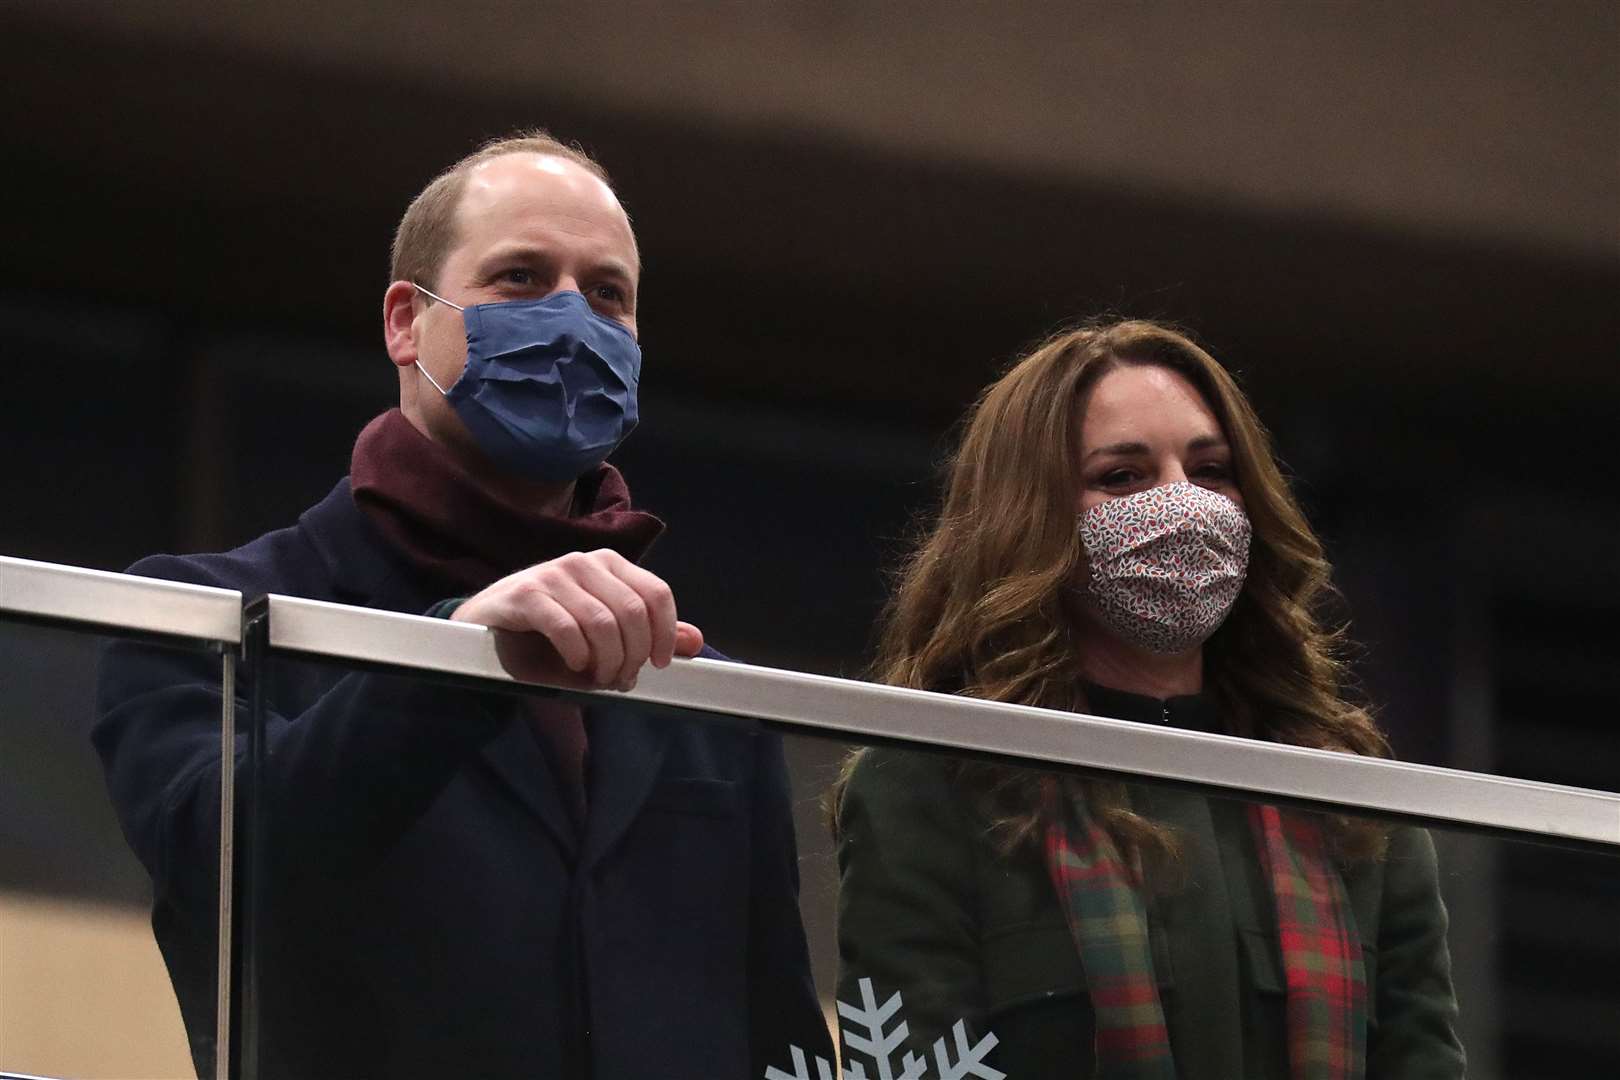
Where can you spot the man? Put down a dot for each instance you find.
(470, 884)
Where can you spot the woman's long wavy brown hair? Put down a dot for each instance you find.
(980, 605)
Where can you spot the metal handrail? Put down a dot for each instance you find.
(104, 601)
(99, 598)
(864, 711)
(858, 710)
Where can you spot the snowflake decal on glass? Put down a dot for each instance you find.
(878, 1041)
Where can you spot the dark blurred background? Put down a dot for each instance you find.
(1399, 225)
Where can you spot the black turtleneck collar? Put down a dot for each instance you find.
(1191, 712)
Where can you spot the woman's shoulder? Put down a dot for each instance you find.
(1408, 854)
(886, 788)
(903, 822)
(891, 772)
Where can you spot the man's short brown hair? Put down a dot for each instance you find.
(427, 232)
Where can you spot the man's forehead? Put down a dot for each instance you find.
(535, 176)
(518, 189)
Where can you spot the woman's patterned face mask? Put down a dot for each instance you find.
(1166, 564)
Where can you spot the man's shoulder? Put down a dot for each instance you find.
(252, 568)
(286, 560)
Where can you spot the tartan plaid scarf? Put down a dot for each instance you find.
(1326, 983)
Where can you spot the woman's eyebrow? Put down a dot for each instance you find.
(1126, 449)
(1120, 448)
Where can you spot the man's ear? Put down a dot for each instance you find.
(399, 315)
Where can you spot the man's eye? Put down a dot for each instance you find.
(518, 276)
(611, 293)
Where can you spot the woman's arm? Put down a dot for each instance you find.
(1416, 1006)
(908, 911)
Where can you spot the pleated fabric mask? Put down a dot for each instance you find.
(1166, 564)
(549, 388)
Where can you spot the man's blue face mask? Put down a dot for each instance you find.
(550, 386)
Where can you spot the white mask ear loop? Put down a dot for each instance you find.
(436, 296)
(431, 379)
(442, 300)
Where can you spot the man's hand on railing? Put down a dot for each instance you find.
(586, 620)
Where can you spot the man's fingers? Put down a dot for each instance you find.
(600, 625)
(560, 626)
(660, 605)
(605, 580)
(520, 605)
(604, 615)
(529, 656)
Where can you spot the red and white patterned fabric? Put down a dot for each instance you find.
(1166, 564)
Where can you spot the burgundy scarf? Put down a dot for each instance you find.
(457, 530)
(460, 532)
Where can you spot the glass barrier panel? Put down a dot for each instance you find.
(978, 892)
(107, 746)
(503, 881)
(463, 880)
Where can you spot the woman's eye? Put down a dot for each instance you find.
(1117, 478)
(1214, 471)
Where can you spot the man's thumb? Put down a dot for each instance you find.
(688, 639)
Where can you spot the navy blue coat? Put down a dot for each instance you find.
(432, 908)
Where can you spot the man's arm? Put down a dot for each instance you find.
(340, 779)
(344, 776)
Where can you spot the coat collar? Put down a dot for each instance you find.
(1191, 712)
(365, 569)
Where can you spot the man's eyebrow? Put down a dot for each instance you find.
(499, 257)
(617, 268)
(532, 253)
(515, 251)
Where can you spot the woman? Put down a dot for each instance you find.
(1118, 539)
